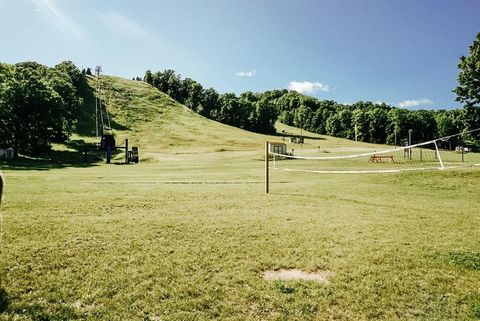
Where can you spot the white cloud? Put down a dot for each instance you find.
(307, 87)
(59, 17)
(124, 26)
(414, 103)
(250, 73)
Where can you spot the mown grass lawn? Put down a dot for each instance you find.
(187, 233)
(188, 237)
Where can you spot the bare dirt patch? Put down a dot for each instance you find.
(294, 274)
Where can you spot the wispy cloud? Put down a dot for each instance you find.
(124, 26)
(307, 87)
(58, 16)
(415, 102)
(250, 73)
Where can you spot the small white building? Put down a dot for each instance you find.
(296, 140)
(278, 148)
(460, 149)
(6, 153)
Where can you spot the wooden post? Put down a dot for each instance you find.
(109, 154)
(126, 151)
(266, 168)
(1, 190)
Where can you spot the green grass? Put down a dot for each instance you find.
(187, 234)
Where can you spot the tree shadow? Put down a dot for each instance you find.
(290, 135)
(4, 300)
(117, 126)
(52, 160)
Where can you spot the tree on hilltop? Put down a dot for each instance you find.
(148, 78)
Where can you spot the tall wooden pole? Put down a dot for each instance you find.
(266, 168)
(1, 190)
(126, 151)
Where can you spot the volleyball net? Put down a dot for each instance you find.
(435, 154)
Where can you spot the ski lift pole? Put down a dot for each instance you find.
(108, 154)
(126, 151)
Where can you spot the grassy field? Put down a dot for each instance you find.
(188, 232)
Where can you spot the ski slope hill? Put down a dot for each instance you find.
(157, 123)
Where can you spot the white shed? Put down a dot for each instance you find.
(278, 148)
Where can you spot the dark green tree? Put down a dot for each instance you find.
(229, 107)
(468, 89)
(378, 119)
(360, 123)
(37, 105)
(265, 117)
(148, 77)
(210, 105)
(193, 92)
(76, 76)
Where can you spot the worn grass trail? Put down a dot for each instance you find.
(189, 237)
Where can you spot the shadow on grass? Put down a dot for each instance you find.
(290, 135)
(54, 160)
(293, 194)
(34, 311)
(117, 126)
(39, 312)
(4, 300)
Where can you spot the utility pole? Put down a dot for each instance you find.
(410, 144)
(395, 130)
(98, 102)
(98, 70)
(267, 179)
(301, 136)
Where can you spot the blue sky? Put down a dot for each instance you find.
(404, 53)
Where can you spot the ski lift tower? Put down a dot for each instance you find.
(103, 126)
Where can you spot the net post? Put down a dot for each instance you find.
(266, 168)
(438, 155)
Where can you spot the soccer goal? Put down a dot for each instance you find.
(430, 155)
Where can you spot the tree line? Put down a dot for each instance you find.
(38, 105)
(365, 121)
(248, 111)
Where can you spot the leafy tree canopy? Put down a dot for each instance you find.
(37, 105)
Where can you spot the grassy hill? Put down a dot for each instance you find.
(156, 123)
